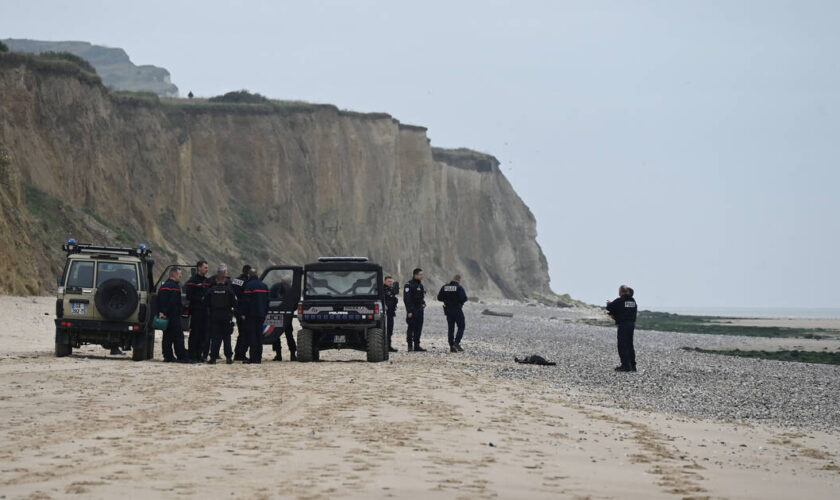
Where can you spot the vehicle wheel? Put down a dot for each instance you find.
(306, 349)
(62, 350)
(377, 345)
(116, 299)
(150, 346)
(139, 347)
(62, 344)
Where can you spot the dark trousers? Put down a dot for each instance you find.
(625, 344)
(290, 336)
(220, 332)
(242, 343)
(199, 341)
(389, 326)
(173, 336)
(254, 327)
(455, 317)
(415, 326)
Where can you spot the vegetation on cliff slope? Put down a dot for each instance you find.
(113, 64)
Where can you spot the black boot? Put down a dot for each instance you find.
(452, 348)
(292, 356)
(229, 360)
(417, 348)
(410, 347)
(458, 346)
(212, 361)
(278, 356)
(115, 351)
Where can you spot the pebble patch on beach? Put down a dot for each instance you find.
(670, 379)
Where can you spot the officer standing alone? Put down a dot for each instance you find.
(414, 299)
(623, 311)
(199, 340)
(454, 297)
(238, 284)
(221, 303)
(391, 302)
(169, 307)
(254, 309)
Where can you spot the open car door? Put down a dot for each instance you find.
(283, 284)
(188, 270)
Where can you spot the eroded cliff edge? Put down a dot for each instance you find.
(275, 183)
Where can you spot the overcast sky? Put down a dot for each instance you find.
(688, 148)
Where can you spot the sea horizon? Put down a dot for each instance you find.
(754, 312)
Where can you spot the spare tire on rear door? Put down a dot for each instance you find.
(116, 299)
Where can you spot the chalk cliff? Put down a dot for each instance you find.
(271, 183)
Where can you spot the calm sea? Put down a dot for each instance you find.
(756, 312)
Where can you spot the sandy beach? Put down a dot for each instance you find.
(429, 425)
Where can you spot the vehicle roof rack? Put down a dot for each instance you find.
(342, 259)
(72, 247)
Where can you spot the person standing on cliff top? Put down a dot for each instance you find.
(414, 298)
(454, 297)
(623, 311)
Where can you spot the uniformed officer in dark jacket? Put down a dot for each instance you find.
(169, 307)
(199, 340)
(414, 299)
(221, 303)
(391, 302)
(278, 292)
(623, 311)
(254, 308)
(454, 297)
(241, 339)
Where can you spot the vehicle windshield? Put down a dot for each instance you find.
(121, 270)
(341, 283)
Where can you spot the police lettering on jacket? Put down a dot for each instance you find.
(169, 298)
(414, 295)
(623, 309)
(452, 295)
(195, 288)
(239, 285)
(255, 299)
(391, 300)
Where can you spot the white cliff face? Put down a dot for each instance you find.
(263, 184)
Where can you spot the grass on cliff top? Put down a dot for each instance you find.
(821, 357)
(49, 64)
(668, 322)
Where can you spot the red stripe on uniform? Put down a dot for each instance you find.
(171, 289)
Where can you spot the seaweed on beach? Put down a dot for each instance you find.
(711, 325)
(822, 357)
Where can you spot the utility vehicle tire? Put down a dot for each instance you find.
(116, 299)
(139, 347)
(62, 344)
(377, 345)
(307, 351)
(150, 346)
(62, 350)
